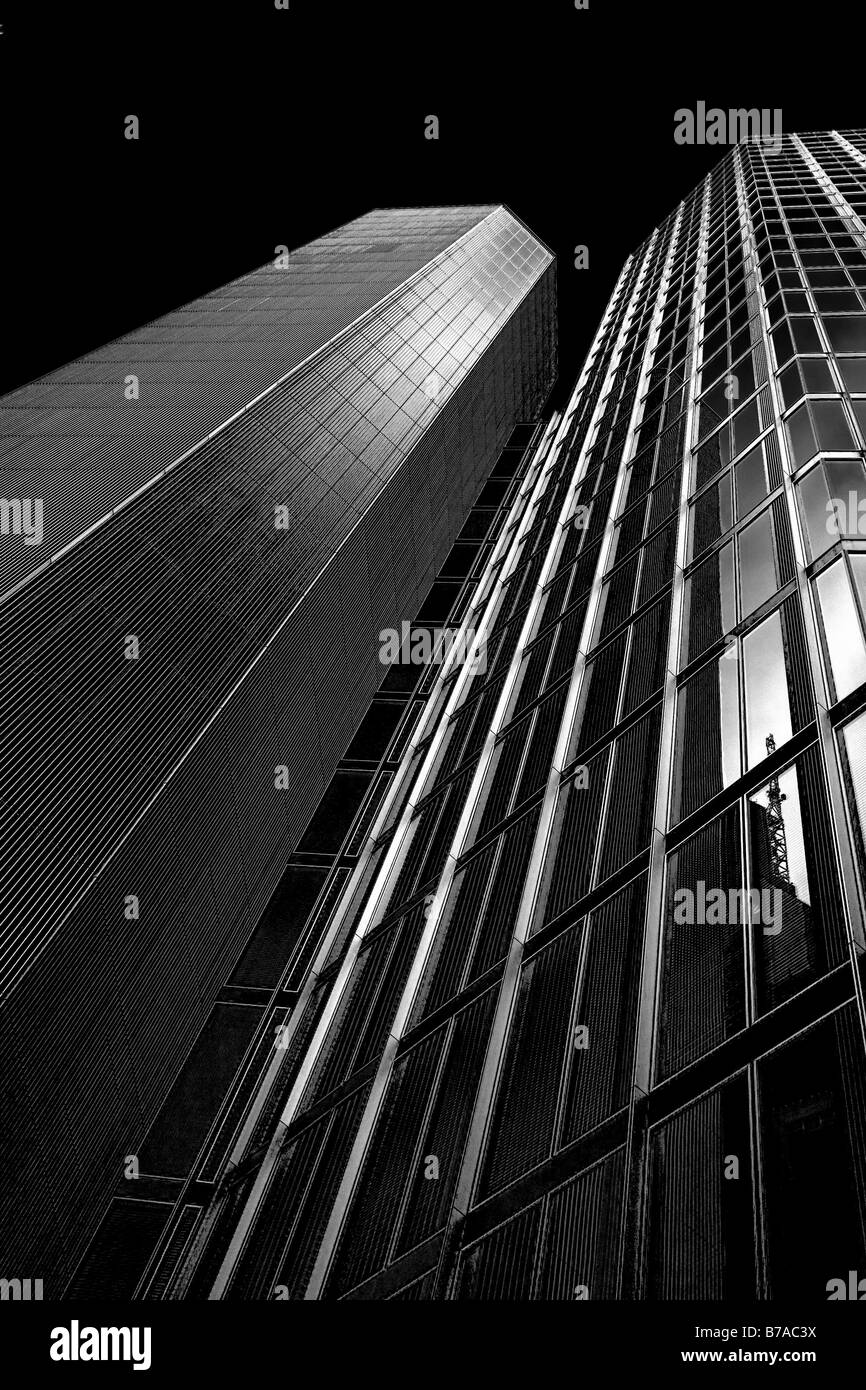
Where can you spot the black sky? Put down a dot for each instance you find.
(261, 127)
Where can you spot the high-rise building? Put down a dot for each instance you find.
(206, 527)
(586, 1018)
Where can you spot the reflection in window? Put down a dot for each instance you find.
(854, 745)
(767, 707)
(801, 934)
(833, 501)
(842, 633)
(858, 569)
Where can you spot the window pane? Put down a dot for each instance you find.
(834, 436)
(750, 478)
(853, 372)
(800, 434)
(792, 386)
(812, 1113)
(815, 502)
(682, 1263)
(746, 426)
(702, 986)
(710, 610)
(767, 708)
(712, 515)
(707, 740)
(805, 335)
(846, 509)
(858, 568)
(757, 564)
(800, 934)
(841, 629)
(816, 375)
(847, 334)
(854, 742)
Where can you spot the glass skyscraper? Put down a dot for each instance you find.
(206, 525)
(582, 1014)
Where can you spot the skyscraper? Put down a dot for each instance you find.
(586, 1018)
(206, 526)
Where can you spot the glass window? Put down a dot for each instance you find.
(811, 1116)
(846, 509)
(715, 406)
(854, 744)
(858, 569)
(786, 954)
(842, 634)
(707, 738)
(828, 279)
(782, 345)
(702, 977)
(710, 609)
(712, 456)
(712, 515)
(742, 380)
(816, 375)
(831, 427)
(800, 436)
(833, 500)
(853, 372)
(747, 427)
(847, 334)
(767, 708)
(750, 481)
(792, 863)
(791, 385)
(837, 301)
(757, 563)
(805, 335)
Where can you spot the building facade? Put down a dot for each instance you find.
(206, 526)
(586, 1019)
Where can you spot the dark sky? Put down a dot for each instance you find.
(261, 127)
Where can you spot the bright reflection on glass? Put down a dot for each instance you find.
(854, 739)
(767, 708)
(841, 629)
(785, 941)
